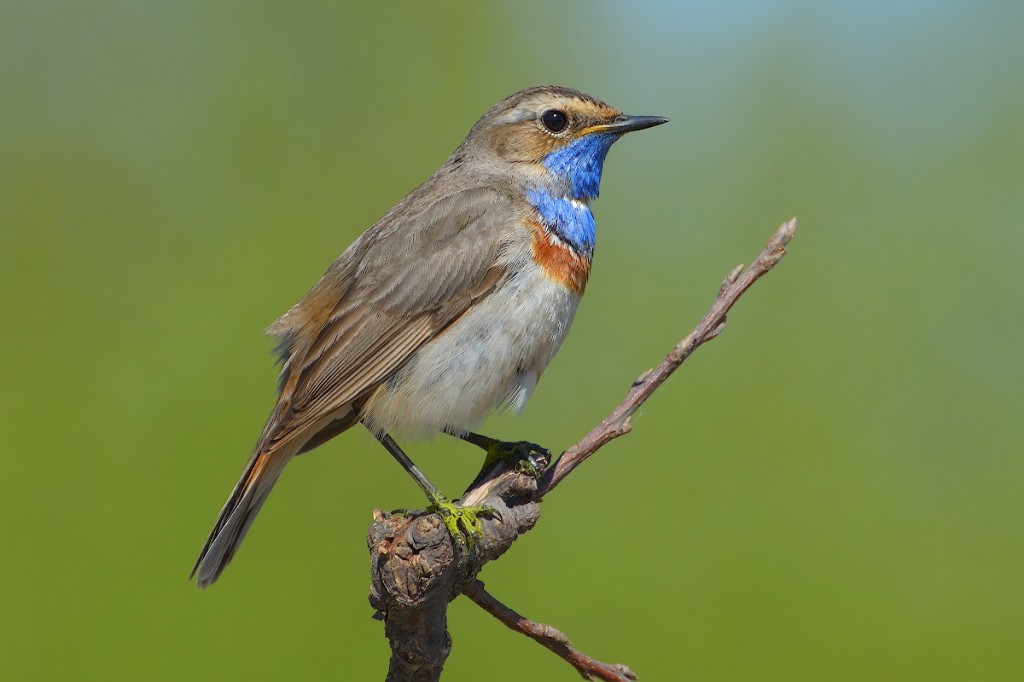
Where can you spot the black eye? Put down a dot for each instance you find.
(554, 120)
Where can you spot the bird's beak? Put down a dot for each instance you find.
(624, 124)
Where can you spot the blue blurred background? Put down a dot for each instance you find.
(829, 491)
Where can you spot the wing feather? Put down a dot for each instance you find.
(401, 283)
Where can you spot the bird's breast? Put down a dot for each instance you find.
(492, 355)
(557, 260)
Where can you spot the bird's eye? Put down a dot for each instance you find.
(554, 120)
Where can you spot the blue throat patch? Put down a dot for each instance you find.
(569, 217)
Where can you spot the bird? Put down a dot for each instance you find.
(446, 309)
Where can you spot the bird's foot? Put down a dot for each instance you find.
(530, 458)
(463, 523)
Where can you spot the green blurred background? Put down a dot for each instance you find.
(830, 491)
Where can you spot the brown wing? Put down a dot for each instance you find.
(402, 282)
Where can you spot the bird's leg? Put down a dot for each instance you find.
(532, 458)
(422, 481)
(463, 523)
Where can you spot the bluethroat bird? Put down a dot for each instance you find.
(450, 306)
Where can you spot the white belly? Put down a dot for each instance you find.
(491, 357)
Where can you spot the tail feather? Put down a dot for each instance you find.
(274, 450)
(248, 495)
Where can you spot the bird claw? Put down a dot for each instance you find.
(530, 458)
(463, 523)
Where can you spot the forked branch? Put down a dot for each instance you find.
(417, 569)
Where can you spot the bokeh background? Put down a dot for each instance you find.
(830, 491)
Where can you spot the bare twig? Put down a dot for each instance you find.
(416, 569)
(617, 423)
(547, 636)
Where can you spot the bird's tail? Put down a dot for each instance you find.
(249, 494)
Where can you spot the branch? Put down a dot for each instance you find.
(417, 569)
(549, 637)
(617, 423)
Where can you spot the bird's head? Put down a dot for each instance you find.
(554, 136)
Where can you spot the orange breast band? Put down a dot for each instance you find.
(560, 262)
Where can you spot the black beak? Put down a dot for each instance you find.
(626, 124)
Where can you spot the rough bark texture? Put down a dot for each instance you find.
(416, 567)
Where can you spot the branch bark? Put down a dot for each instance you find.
(417, 569)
